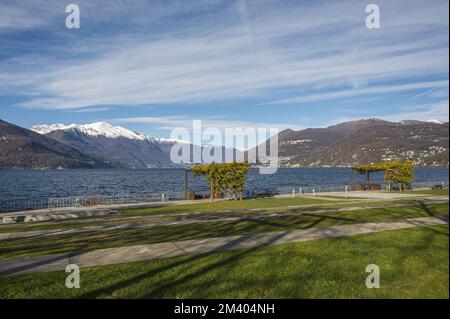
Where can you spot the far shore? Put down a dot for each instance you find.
(174, 168)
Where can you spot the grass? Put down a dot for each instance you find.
(430, 191)
(161, 213)
(94, 240)
(414, 263)
(204, 210)
(163, 209)
(225, 205)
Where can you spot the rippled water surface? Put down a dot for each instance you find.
(20, 185)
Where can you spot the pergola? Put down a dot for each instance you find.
(367, 169)
(186, 188)
(186, 182)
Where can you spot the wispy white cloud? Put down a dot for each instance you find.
(91, 109)
(385, 89)
(245, 49)
(436, 111)
(16, 18)
(226, 127)
(186, 121)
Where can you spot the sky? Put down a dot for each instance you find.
(151, 66)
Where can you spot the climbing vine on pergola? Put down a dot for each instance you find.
(401, 173)
(226, 178)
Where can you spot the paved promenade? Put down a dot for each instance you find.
(222, 217)
(48, 214)
(58, 262)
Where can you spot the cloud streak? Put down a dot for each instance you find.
(186, 121)
(247, 49)
(433, 85)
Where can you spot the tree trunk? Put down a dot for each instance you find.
(212, 193)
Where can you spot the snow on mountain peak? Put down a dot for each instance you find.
(45, 129)
(420, 122)
(435, 121)
(94, 129)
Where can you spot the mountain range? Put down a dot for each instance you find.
(22, 148)
(101, 145)
(118, 146)
(366, 141)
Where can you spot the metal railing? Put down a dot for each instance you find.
(429, 184)
(86, 200)
(317, 189)
(94, 200)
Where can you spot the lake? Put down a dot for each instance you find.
(42, 184)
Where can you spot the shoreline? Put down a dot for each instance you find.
(179, 168)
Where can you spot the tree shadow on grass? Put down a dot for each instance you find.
(432, 213)
(38, 262)
(61, 243)
(234, 244)
(176, 280)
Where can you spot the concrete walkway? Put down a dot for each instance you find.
(222, 218)
(62, 213)
(378, 195)
(118, 255)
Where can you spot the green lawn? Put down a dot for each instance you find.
(177, 212)
(204, 210)
(94, 240)
(430, 191)
(226, 205)
(414, 263)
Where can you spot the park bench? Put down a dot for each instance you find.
(438, 186)
(266, 194)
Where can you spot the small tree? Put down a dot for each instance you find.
(401, 173)
(224, 178)
(389, 175)
(405, 175)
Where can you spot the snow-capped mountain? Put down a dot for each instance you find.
(98, 129)
(117, 145)
(23, 148)
(435, 121)
(345, 144)
(408, 122)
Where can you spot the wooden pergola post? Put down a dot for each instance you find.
(186, 191)
(212, 193)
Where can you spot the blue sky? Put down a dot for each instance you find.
(154, 65)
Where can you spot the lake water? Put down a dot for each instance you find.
(38, 185)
